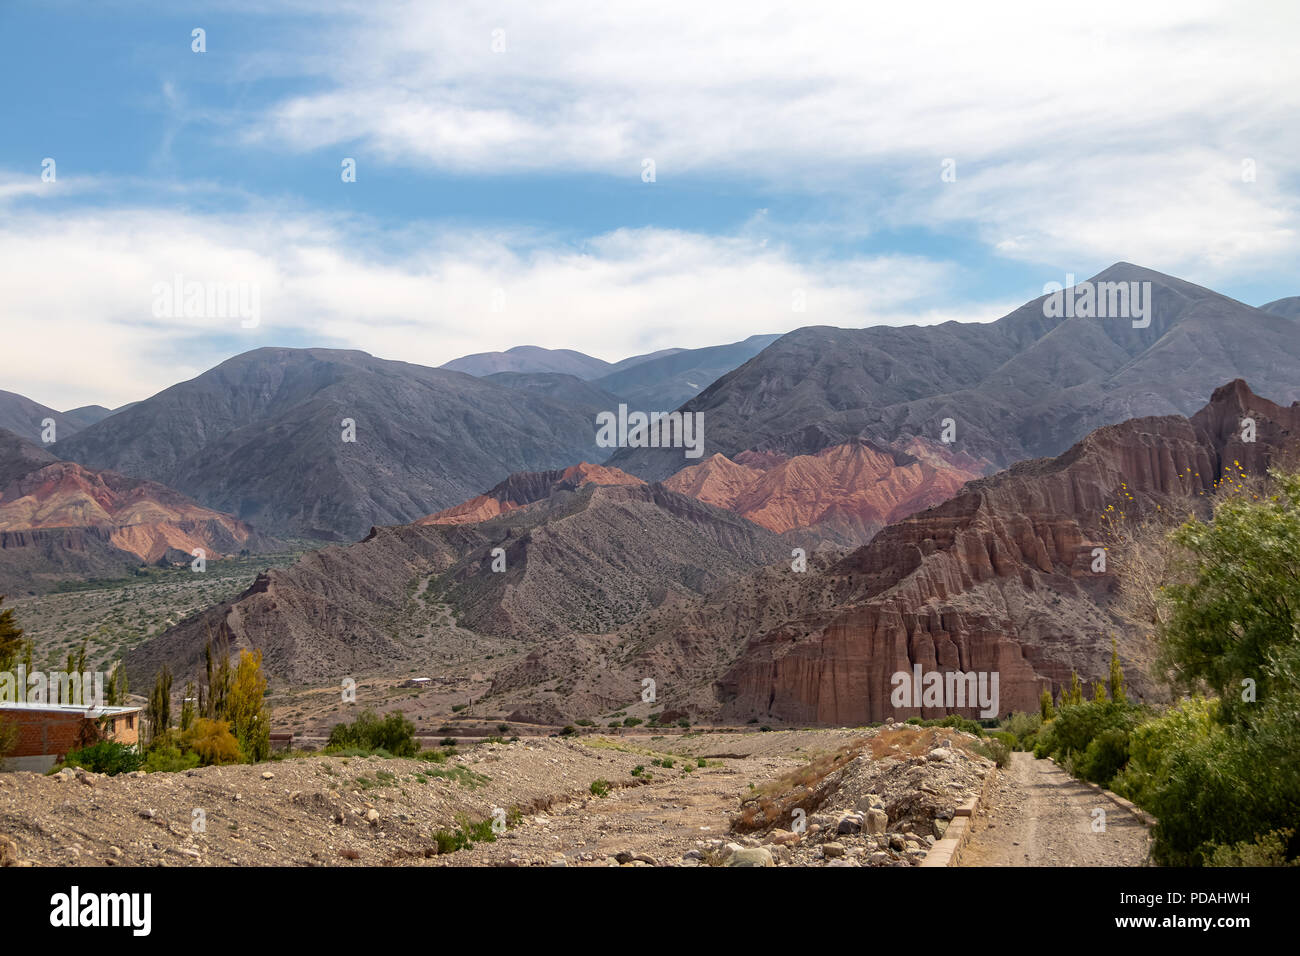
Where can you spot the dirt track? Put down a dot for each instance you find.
(1039, 816)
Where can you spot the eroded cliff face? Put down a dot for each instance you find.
(845, 493)
(1000, 578)
(61, 518)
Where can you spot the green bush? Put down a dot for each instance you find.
(995, 749)
(394, 733)
(1067, 737)
(169, 760)
(106, 757)
(1105, 756)
(600, 787)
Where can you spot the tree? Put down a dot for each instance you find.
(1116, 682)
(212, 741)
(188, 711)
(115, 693)
(246, 709)
(1099, 692)
(1045, 708)
(11, 638)
(159, 709)
(1236, 602)
(218, 682)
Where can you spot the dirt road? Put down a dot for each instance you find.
(1040, 816)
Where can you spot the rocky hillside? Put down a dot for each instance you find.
(842, 495)
(524, 488)
(997, 579)
(1026, 385)
(584, 560)
(61, 521)
(262, 436)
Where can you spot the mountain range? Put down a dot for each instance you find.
(1026, 385)
(60, 521)
(848, 519)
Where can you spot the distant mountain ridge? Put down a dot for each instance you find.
(60, 521)
(264, 436)
(25, 418)
(1026, 385)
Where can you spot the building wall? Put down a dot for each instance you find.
(43, 733)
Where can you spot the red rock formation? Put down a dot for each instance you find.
(999, 578)
(526, 487)
(849, 491)
(142, 518)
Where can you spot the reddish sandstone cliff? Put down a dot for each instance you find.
(1000, 577)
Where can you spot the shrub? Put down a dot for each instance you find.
(169, 759)
(995, 749)
(394, 733)
(213, 742)
(600, 787)
(1268, 849)
(106, 757)
(1105, 756)
(631, 721)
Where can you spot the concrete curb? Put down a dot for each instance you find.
(947, 852)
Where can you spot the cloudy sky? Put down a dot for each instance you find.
(502, 152)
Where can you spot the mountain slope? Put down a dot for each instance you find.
(842, 494)
(262, 436)
(59, 521)
(529, 359)
(667, 381)
(524, 488)
(1026, 385)
(25, 418)
(1000, 578)
(1288, 308)
(580, 561)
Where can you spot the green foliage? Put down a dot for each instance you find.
(11, 638)
(394, 733)
(1024, 727)
(105, 757)
(631, 721)
(464, 838)
(1045, 709)
(169, 759)
(1068, 737)
(601, 787)
(158, 712)
(995, 749)
(1115, 685)
(1237, 600)
(1268, 849)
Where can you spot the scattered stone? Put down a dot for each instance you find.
(750, 856)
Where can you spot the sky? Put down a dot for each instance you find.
(613, 178)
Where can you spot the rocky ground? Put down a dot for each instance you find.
(882, 796)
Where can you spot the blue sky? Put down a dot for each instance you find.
(500, 150)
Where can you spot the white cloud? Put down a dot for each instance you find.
(80, 286)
